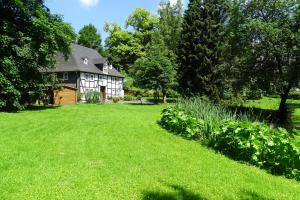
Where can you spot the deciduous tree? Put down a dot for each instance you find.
(89, 37)
(30, 38)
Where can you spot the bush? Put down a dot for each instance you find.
(92, 97)
(213, 115)
(294, 95)
(177, 121)
(129, 98)
(234, 136)
(116, 99)
(256, 143)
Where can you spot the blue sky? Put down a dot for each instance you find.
(81, 12)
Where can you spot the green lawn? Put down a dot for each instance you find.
(119, 152)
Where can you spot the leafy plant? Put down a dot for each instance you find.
(129, 98)
(256, 143)
(177, 121)
(116, 99)
(92, 97)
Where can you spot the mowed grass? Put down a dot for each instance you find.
(119, 152)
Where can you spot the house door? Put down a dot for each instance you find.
(103, 92)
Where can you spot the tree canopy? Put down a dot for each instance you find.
(200, 48)
(30, 38)
(157, 69)
(89, 37)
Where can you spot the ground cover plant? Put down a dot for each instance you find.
(117, 151)
(235, 135)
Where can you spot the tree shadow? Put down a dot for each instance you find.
(294, 119)
(179, 193)
(256, 113)
(249, 195)
(41, 107)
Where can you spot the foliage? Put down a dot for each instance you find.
(157, 69)
(144, 23)
(89, 37)
(170, 21)
(212, 114)
(92, 97)
(129, 98)
(123, 48)
(257, 144)
(177, 121)
(30, 38)
(200, 52)
(264, 46)
(234, 136)
(116, 99)
(295, 94)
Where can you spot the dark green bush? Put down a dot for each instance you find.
(294, 95)
(129, 98)
(256, 143)
(177, 121)
(116, 99)
(252, 142)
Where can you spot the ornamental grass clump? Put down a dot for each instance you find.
(212, 114)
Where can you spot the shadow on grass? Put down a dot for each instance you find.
(179, 193)
(249, 195)
(40, 107)
(265, 115)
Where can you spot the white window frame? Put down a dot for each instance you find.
(87, 76)
(86, 61)
(92, 77)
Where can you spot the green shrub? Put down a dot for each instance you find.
(213, 115)
(177, 121)
(92, 97)
(129, 98)
(235, 136)
(256, 143)
(116, 99)
(294, 95)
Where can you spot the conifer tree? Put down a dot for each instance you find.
(200, 48)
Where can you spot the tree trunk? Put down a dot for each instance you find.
(282, 110)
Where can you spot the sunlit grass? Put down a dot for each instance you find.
(118, 152)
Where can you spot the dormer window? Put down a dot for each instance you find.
(85, 61)
(105, 68)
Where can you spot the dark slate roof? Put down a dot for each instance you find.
(75, 62)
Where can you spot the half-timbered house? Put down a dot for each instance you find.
(86, 70)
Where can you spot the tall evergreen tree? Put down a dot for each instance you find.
(201, 47)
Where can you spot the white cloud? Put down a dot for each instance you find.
(89, 3)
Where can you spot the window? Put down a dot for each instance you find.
(65, 76)
(92, 77)
(85, 61)
(87, 76)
